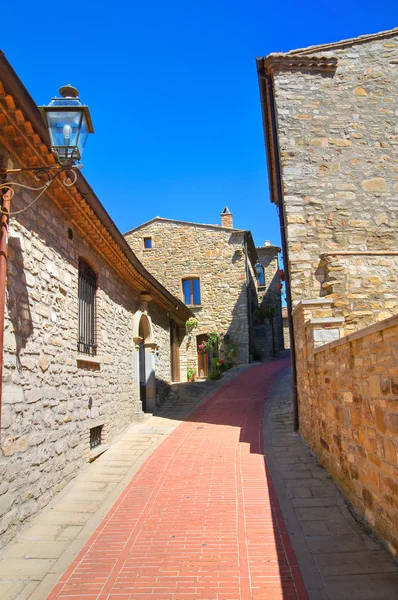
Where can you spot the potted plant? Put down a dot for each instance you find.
(191, 374)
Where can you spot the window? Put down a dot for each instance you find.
(147, 243)
(95, 437)
(86, 318)
(191, 289)
(260, 276)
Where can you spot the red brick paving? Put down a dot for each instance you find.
(200, 519)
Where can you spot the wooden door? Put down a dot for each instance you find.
(203, 357)
(175, 351)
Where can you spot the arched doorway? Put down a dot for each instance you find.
(145, 386)
(142, 366)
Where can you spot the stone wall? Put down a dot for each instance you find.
(214, 254)
(286, 332)
(348, 409)
(51, 395)
(338, 139)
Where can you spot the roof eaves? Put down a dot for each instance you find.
(361, 39)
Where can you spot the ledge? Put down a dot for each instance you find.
(361, 333)
(315, 302)
(97, 452)
(92, 360)
(325, 321)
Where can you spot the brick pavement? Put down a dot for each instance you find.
(200, 519)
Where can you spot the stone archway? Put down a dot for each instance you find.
(145, 381)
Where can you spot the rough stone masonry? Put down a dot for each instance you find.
(336, 116)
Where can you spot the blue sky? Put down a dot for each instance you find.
(173, 94)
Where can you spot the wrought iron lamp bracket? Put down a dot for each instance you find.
(7, 188)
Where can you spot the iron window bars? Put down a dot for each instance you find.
(87, 310)
(95, 437)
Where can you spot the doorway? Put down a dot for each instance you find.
(175, 351)
(142, 369)
(203, 356)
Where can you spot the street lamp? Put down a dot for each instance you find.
(69, 124)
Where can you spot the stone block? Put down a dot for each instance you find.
(12, 394)
(379, 419)
(374, 185)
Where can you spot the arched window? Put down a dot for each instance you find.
(87, 341)
(191, 289)
(260, 275)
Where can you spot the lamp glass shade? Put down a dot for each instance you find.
(69, 124)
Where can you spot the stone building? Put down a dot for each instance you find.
(268, 328)
(210, 268)
(88, 330)
(330, 123)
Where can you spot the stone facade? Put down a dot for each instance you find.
(335, 111)
(222, 258)
(268, 321)
(348, 401)
(52, 396)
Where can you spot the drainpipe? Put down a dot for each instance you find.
(5, 206)
(279, 188)
(249, 304)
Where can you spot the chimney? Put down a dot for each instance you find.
(226, 218)
(267, 243)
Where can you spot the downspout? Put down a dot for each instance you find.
(5, 208)
(279, 190)
(249, 304)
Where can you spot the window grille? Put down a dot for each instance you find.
(95, 436)
(87, 310)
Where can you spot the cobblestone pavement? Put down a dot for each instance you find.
(199, 520)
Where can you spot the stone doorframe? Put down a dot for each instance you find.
(143, 320)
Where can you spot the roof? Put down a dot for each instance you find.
(361, 39)
(270, 249)
(207, 225)
(25, 136)
(304, 58)
(245, 233)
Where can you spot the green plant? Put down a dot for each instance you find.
(191, 324)
(212, 343)
(214, 374)
(191, 374)
(231, 348)
(219, 364)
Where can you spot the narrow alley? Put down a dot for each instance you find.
(201, 519)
